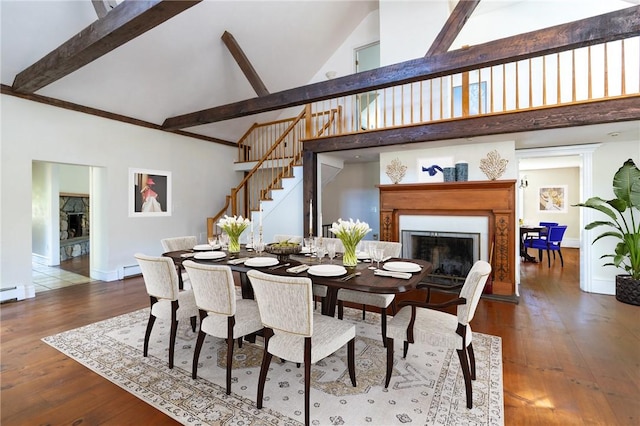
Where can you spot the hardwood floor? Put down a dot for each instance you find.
(569, 357)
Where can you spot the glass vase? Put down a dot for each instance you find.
(234, 243)
(349, 258)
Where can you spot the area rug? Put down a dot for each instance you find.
(426, 388)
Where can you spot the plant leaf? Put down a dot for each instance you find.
(626, 182)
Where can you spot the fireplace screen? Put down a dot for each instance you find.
(451, 254)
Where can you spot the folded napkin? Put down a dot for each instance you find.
(298, 269)
(237, 261)
(383, 273)
(187, 254)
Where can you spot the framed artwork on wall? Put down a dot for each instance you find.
(149, 193)
(552, 199)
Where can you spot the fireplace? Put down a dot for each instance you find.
(458, 202)
(452, 254)
(75, 228)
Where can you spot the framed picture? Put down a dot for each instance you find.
(552, 199)
(149, 193)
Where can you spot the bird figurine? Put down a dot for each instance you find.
(432, 169)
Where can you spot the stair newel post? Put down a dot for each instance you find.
(308, 125)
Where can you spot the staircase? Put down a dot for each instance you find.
(273, 150)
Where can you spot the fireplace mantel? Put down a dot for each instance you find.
(493, 199)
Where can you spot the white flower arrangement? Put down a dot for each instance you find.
(233, 226)
(350, 232)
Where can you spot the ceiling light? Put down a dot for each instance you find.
(330, 74)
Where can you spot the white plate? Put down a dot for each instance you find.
(209, 255)
(402, 267)
(205, 247)
(363, 255)
(327, 270)
(259, 262)
(304, 250)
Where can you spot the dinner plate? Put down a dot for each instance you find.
(402, 267)
(205, 247)
(210, 255)
(305, 250)
(259, 262)
(327, 270)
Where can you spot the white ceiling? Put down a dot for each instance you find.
(183, 66)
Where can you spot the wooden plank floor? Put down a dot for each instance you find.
(569, 357)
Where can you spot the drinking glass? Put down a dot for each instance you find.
(331, 251)
(224, 240)
(321, 250)
(212, 241)
(258, 246)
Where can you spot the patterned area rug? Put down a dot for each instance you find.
(426, 388)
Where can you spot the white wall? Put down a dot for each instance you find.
(201, 171)
(74, 179)
(353, 194)
(607, 159)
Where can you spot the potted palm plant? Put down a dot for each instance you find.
(624, 212)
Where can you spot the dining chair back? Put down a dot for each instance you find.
(377, 300)
(168, 302)
(293, 332)
(422, 322)
(179, 243)
(551, 243)
(545, 228)
(221, 313)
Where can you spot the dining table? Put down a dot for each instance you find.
(527, 231)
(359, 277)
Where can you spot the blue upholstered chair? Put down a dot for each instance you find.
(551, 243)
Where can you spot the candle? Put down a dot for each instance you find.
(320, 226)
(260, 214)
(310, 218)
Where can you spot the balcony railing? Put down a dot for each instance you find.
(592, 73)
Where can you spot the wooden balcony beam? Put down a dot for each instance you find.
(612, 26)
(245, 65)
(555, 117)
(453, 26)
(125, 22)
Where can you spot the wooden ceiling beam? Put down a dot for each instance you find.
(245, 65)
(588, 113)
(453, 26)
(616, 25)
(125, 22)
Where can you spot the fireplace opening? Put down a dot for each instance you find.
(75, 224)
(452, 254)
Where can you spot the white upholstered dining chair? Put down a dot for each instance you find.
(293, 332)
(180, 243)
(221, 313)
(421, 322)
(378, 300)
(167, 301)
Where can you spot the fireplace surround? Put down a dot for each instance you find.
(494, 200)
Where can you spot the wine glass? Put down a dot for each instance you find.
(331, 251)
(378, 255)
(372, 254)
(213, 241)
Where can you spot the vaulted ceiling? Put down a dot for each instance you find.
(183, 65)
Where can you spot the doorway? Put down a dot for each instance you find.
(367, 58)
(61, 225)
